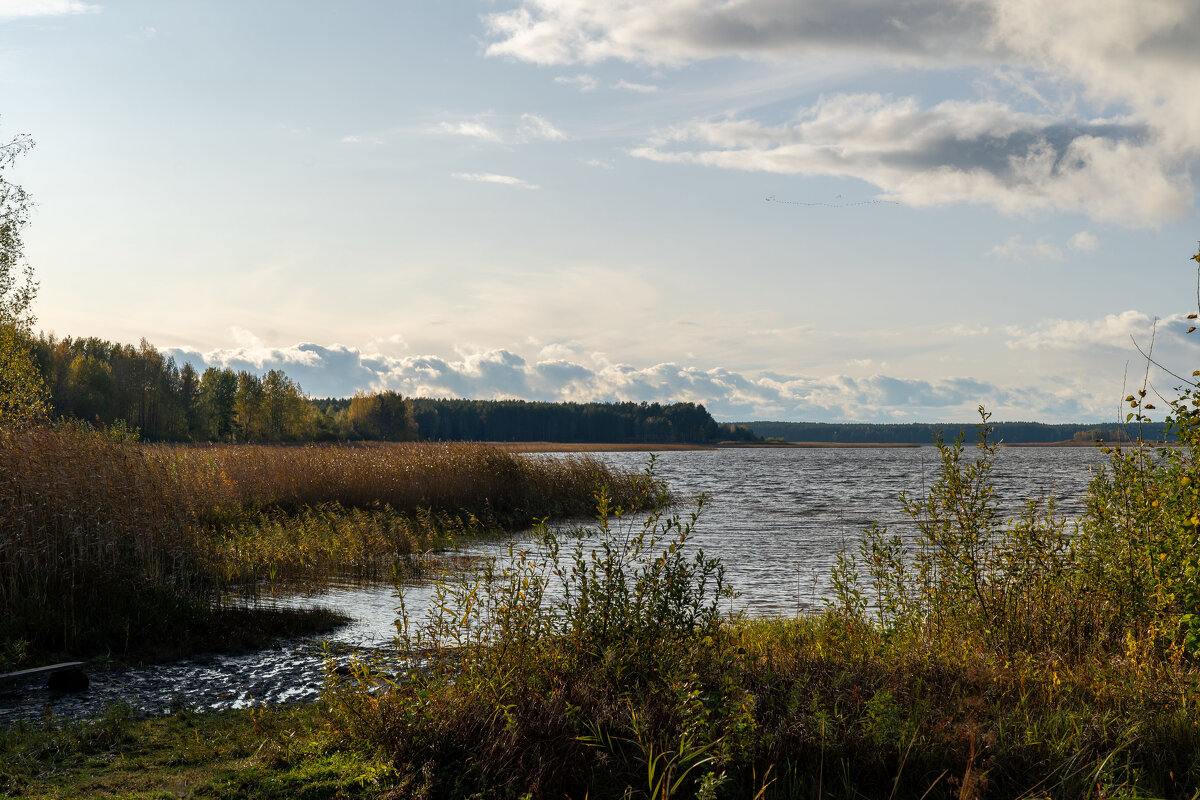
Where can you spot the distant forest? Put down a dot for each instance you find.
(924, 432)
(140, 389)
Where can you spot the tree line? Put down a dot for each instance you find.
(138, 388)
(141, 389)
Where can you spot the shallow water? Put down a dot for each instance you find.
(776, 518)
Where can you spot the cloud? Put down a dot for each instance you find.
(640, 88)
(584, 82)
(1134, 63)
(534, 127)
(955, 152)
(527, 128)
(1083, 242)
(491, 177)
(472, 130)
(1112, 330)
(355, 138)
(23, 9)
(499, 373)
(1014, 249)
(333, 371)
(587, 31)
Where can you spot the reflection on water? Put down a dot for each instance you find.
(776, 517)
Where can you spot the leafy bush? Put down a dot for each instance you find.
(598, 659)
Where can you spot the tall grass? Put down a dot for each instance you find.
(91, 533)
(220, 481)
(105, 542)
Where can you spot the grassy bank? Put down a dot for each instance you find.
(108, 545)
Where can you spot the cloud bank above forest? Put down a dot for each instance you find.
(1073, 106)
(1076, 395)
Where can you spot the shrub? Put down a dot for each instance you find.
(599, 659)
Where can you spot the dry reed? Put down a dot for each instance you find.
(225, 480)
(104, 542)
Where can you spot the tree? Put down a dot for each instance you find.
(287, 412)
(189, 400)
(218, 391)
(385, 415)
(92, 389)
(247, 407)
(23, 398)
(17, 287)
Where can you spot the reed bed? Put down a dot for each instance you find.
(105, 543)
(307, 548)
(223, 481)
(88, 527)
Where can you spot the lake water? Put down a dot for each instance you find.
(776, 518)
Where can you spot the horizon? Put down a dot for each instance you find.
(807, 212)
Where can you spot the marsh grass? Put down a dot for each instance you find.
(107, 544)
(225, 481)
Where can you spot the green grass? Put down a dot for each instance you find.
(284, 753)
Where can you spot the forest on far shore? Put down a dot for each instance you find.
(140, 389)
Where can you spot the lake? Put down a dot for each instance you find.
(775, 516)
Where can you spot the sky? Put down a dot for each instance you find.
(822, 210)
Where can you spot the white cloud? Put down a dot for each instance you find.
(558, 375)
(1083, 241)
(598, 163)
(678, 31)
(584, 82)
(972, 152)
(527, 128)
(19, 9)
(1135, 62)
(491, 177)
(1014, 249)
(1112, 330)
(562, 372)
(534, 127)
(355, 138)
(640, 88)
(470, 129)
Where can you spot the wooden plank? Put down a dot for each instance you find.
(27, 673)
